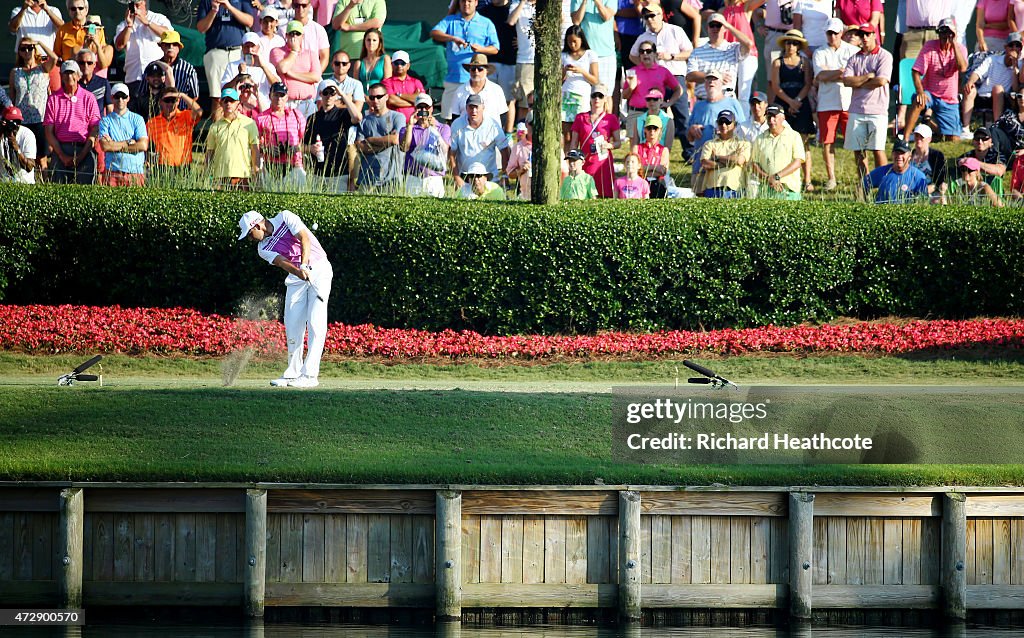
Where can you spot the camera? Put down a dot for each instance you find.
(423, 113)
(90, 29)
(8, 126)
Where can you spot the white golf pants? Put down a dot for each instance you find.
(304, 313)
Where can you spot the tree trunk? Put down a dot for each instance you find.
(547, 103)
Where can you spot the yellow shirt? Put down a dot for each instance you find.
(730, 176)
(231, 143)
(775, 152)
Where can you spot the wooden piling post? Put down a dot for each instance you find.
(448, 550)
(71, 532)
(801, 553)
(629, 556)
(954, 556)
(255, 552)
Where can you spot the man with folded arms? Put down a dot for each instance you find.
(124, 141)
(71, 126)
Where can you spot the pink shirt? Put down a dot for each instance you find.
(857, 11)
(408, 85)
(657, 77)
(636, 188)
(939, 75)
(736, 15)
(995, 11)
(286, 128)
(305, 62)
(283, 241)
(1018, 12)
(71, 116)
(870, 101)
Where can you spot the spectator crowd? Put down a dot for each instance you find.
(303, 89)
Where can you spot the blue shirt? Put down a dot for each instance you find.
(629, 26)
(478, 30)
(225, 31)
(124, 128)
(706, 113)
(897, 188)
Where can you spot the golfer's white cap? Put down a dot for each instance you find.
(248, 220)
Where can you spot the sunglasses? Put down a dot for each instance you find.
(652, 99)
(650, 16)
(27, 49)
(477, 68)
(300, 6)
(597, 96)
(723, 122)
(169, 100)
(76, 8)
(120, 96)
(246, 87)
(377, 97)
(342, 62)
(292, 34)
(644, 51)
(399, 62)
(714, 25)
(227, 100)
(328, 92)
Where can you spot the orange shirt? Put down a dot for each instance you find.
(172, 139)
(71, 38)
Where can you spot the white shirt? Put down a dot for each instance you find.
(833, 96)
(37, 26)
(495, 103)
(8, 159)
(143, 45)
(671, 39)
(993, 71)
(256, 75)
(815, 14)
(525, 38)
(575, 82)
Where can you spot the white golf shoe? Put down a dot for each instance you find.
(283, 382)
(304, 382)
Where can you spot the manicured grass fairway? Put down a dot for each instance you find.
(174, 421)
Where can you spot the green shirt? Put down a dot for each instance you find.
(579, 187)
(352, 41)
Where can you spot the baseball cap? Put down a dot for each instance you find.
(713, 73)
(773, 109)
(522, 128)
(13, 113)
(400, 55)
(279, 87)
(423, 98)
(474, 100)
(295, 27)
(899, 146)
(982, 134)
(654, 93)
(652, 120)
(726, 115)
(1015, 37)
(171, 37)
(231, 94)
(947, 23)
(251, 38)
(119, 88)
(329, 83)
(599, 89)
(864, 28)
(248, 220)
(924, 131)
(716, 17)
(574, 155)
(70, 65)
(270, 12)
(154, 69)
(834, 25)
(970, 163)
(758, 96)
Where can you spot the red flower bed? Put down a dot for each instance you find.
(53, 329)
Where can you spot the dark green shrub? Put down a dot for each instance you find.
(519, 268)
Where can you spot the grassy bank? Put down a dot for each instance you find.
(171, 419)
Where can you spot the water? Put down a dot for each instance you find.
(230, 628)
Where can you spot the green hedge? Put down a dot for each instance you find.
(513, 268)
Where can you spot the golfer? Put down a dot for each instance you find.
(285, 242)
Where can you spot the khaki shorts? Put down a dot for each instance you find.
(523, 85)
(913, 40)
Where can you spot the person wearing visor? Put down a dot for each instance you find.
(722, 160)
(937, 82)
(232, 146)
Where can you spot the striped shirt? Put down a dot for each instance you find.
(275, 130)
(284, 241)
(185, 79)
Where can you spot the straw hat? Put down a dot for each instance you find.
(479, 59)
(793, 35)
